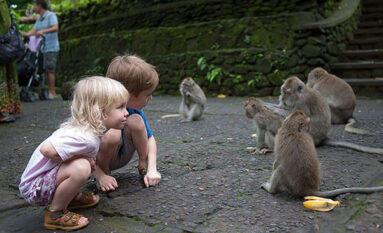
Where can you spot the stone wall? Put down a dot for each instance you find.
(237, 48)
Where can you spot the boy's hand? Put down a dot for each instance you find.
(107, 183)
(152, 178)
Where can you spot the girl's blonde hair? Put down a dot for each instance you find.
(93, 97)
(133, 72)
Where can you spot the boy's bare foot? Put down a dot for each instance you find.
(106, 183)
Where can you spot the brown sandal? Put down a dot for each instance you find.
(86, 200)
(63, 220)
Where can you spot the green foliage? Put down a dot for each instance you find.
(216, 73)
(257, 77)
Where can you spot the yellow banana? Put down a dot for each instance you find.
(320, 204)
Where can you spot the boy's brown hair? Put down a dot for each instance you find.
(133, 72)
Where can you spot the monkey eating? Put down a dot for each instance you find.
(296, 166)
(295, 95)
(193, 101)
(339, 96)
(266, 123)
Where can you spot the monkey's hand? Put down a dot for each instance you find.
(152, 178)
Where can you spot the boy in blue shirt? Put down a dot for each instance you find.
(47, 25)
(117, 147)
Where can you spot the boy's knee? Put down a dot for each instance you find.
(136, 123)
(112, 137)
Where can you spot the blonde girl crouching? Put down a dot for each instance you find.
(62, 163)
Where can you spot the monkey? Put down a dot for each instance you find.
(67, 90)
(193, 101)
(339, 96)
(295, 95)
(296, 166)
(266, 123)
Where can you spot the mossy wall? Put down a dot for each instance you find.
(249, 46)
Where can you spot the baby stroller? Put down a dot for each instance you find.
(31, 73)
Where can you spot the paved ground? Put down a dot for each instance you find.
(211, 181)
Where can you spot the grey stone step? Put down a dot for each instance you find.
(365, 82)
(372, 9)
(365, 31)
(372, 16)
(371, 40)
(364, 53)
(357, 65)
(367, 24)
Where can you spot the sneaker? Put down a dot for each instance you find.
(52, 97)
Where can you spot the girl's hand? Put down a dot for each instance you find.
(92, 162)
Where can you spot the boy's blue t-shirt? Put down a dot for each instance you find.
(141, 113)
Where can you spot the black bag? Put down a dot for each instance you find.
(12, 46)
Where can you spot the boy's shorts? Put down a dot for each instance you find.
(50, 60)
(43, 188)
(125, 153)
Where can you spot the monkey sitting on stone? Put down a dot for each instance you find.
(266, 123)
(339, 95)
(296, 166)
(295, 95)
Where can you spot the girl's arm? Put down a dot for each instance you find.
(49, 151)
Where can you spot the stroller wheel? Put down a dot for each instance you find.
(27, 96)
(43, 95)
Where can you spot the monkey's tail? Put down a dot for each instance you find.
(170, 115)
(350, 129)
(337, 192)
(367, 149)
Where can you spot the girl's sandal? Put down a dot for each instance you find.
(86, 200)
(63, 220)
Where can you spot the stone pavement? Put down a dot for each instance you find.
(211, 181)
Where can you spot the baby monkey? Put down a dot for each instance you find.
(266, 123)
(193, 100)
(296, 166)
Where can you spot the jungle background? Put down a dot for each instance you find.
(237, 48)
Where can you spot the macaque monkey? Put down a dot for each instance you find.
(296, 166)
(339, 95)
(193, 101)
(266, 123)
(295, 95)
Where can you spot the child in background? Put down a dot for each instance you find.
(117, 147)
(64, 161)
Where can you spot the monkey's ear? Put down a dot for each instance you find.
(300, 88)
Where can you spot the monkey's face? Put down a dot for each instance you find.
(252, 107)
(291, 91)
(187, 85)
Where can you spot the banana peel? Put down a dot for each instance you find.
(319, 203)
